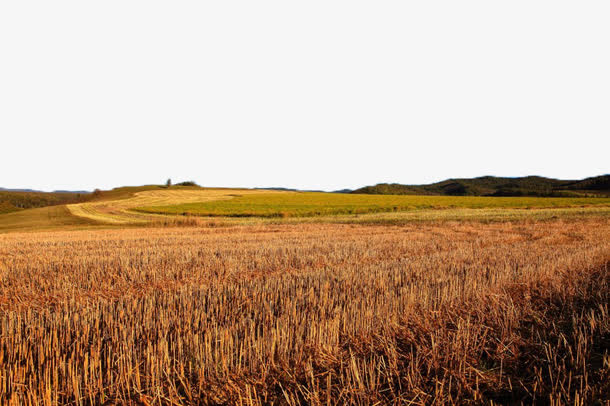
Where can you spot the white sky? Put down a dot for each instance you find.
(311, 94)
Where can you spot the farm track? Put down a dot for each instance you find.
(120, 211)
(166, 207)
(307, 314)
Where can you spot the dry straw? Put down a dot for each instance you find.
(307, 314)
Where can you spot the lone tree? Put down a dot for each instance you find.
(168, 183)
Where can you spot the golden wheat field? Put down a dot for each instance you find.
(321, 314)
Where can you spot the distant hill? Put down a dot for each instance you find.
(82, 192)
(284, 189)
(499, 186)
(20, 190)
(16, 200)
(40, 191)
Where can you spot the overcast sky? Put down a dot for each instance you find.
(310, 94)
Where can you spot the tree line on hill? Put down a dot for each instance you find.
(16, 200)
(11, 201)
(498, 186)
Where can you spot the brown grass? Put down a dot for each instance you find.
(317, 314)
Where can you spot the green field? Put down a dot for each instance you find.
(151, 205)
(324, 204)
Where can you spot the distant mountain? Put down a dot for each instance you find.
(20, 190)
(284, 189)
(40, 191)
(281, 189)
(499, 186)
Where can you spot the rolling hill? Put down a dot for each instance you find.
(17, 200)
(181, 204)
(499, 186)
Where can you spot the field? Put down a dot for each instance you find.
(443, 301)
(291, 204)
(118, 208)
(193, 206)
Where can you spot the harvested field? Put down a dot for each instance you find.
(427, 313)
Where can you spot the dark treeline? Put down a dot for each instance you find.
(14, 201)
(496, 186)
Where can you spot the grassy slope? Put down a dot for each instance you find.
(44, 218)
(59, 216)
(111, 209)
(120, 211)
(319, 204)
(141, 206)
(126, 192)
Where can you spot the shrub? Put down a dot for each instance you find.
(187, 183)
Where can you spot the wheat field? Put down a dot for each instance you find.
(321, 314)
